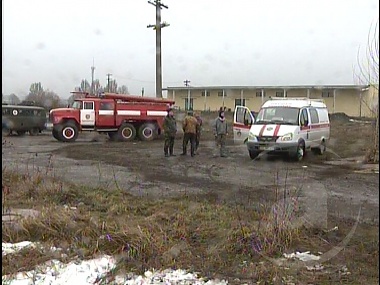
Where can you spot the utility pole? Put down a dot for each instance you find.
(188, 94)
(108, 81)
(92, 77)
(142, 92)
(158, 26)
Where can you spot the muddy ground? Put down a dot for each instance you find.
(336, 189)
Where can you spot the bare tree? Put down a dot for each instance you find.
(39, 97)
(367, 73)
(85, 86)
(123, 89)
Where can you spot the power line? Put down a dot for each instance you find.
(158, 26)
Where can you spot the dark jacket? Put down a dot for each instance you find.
(170, 126)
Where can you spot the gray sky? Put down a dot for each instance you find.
(213, 42)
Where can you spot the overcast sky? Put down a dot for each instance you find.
(209, 42)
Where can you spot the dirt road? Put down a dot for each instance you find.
(141, 169)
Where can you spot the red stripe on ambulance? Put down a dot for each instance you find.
(262, 130)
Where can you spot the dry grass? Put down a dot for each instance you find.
(193, 232)
(190, 232)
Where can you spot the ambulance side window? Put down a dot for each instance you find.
(304, 120)
(314, 116)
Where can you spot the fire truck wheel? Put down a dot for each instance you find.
(55, 134)
(127, 132)
(69, 132)
(147, 132)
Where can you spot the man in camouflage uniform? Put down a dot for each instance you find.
(170, 130)
(189, 127)
(221, 131)
(199, 130)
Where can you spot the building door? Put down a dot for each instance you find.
(189, 106)
(239, 102)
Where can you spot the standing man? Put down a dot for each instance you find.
(189, 127)
(170, 130)
(220, 132)
(199, 130)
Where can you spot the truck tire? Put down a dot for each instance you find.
(34, 132)
(147, 132)
(20, 133)
(126, 132)
(6, 132)
(68, 132)
(55, 134)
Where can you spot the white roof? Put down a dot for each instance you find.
(294, 102)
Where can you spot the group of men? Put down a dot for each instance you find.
(192, 128)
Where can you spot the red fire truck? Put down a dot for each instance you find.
(123, 117)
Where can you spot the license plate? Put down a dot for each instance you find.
(267, 148)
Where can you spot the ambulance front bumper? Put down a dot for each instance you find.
(289, 147)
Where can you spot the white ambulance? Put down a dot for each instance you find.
(284, 125)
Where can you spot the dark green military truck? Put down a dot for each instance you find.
(21, 119)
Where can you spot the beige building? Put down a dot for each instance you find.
(354, 100)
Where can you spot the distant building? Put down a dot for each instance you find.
(354, 100)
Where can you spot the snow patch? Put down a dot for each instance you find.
(303, 256)
(94, 271)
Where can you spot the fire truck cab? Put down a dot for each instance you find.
(122, 117)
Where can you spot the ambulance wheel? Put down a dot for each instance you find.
(253, 154)
(68, 133)
(322, 148)
(147, 132)
(300, 152)
(126, 132)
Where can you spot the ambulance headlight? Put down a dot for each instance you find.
(287, 137)
(252, 137)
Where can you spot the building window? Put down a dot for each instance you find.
(189, 107)
(258, 93)
(207, 93)
(220, 93)
(326, 94)
(239, 102)
(279, 93)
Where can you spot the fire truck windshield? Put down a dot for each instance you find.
(77, 105)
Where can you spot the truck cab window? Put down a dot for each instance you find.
(88, 105)
(77, 105)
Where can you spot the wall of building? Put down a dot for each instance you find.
(346, 100)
